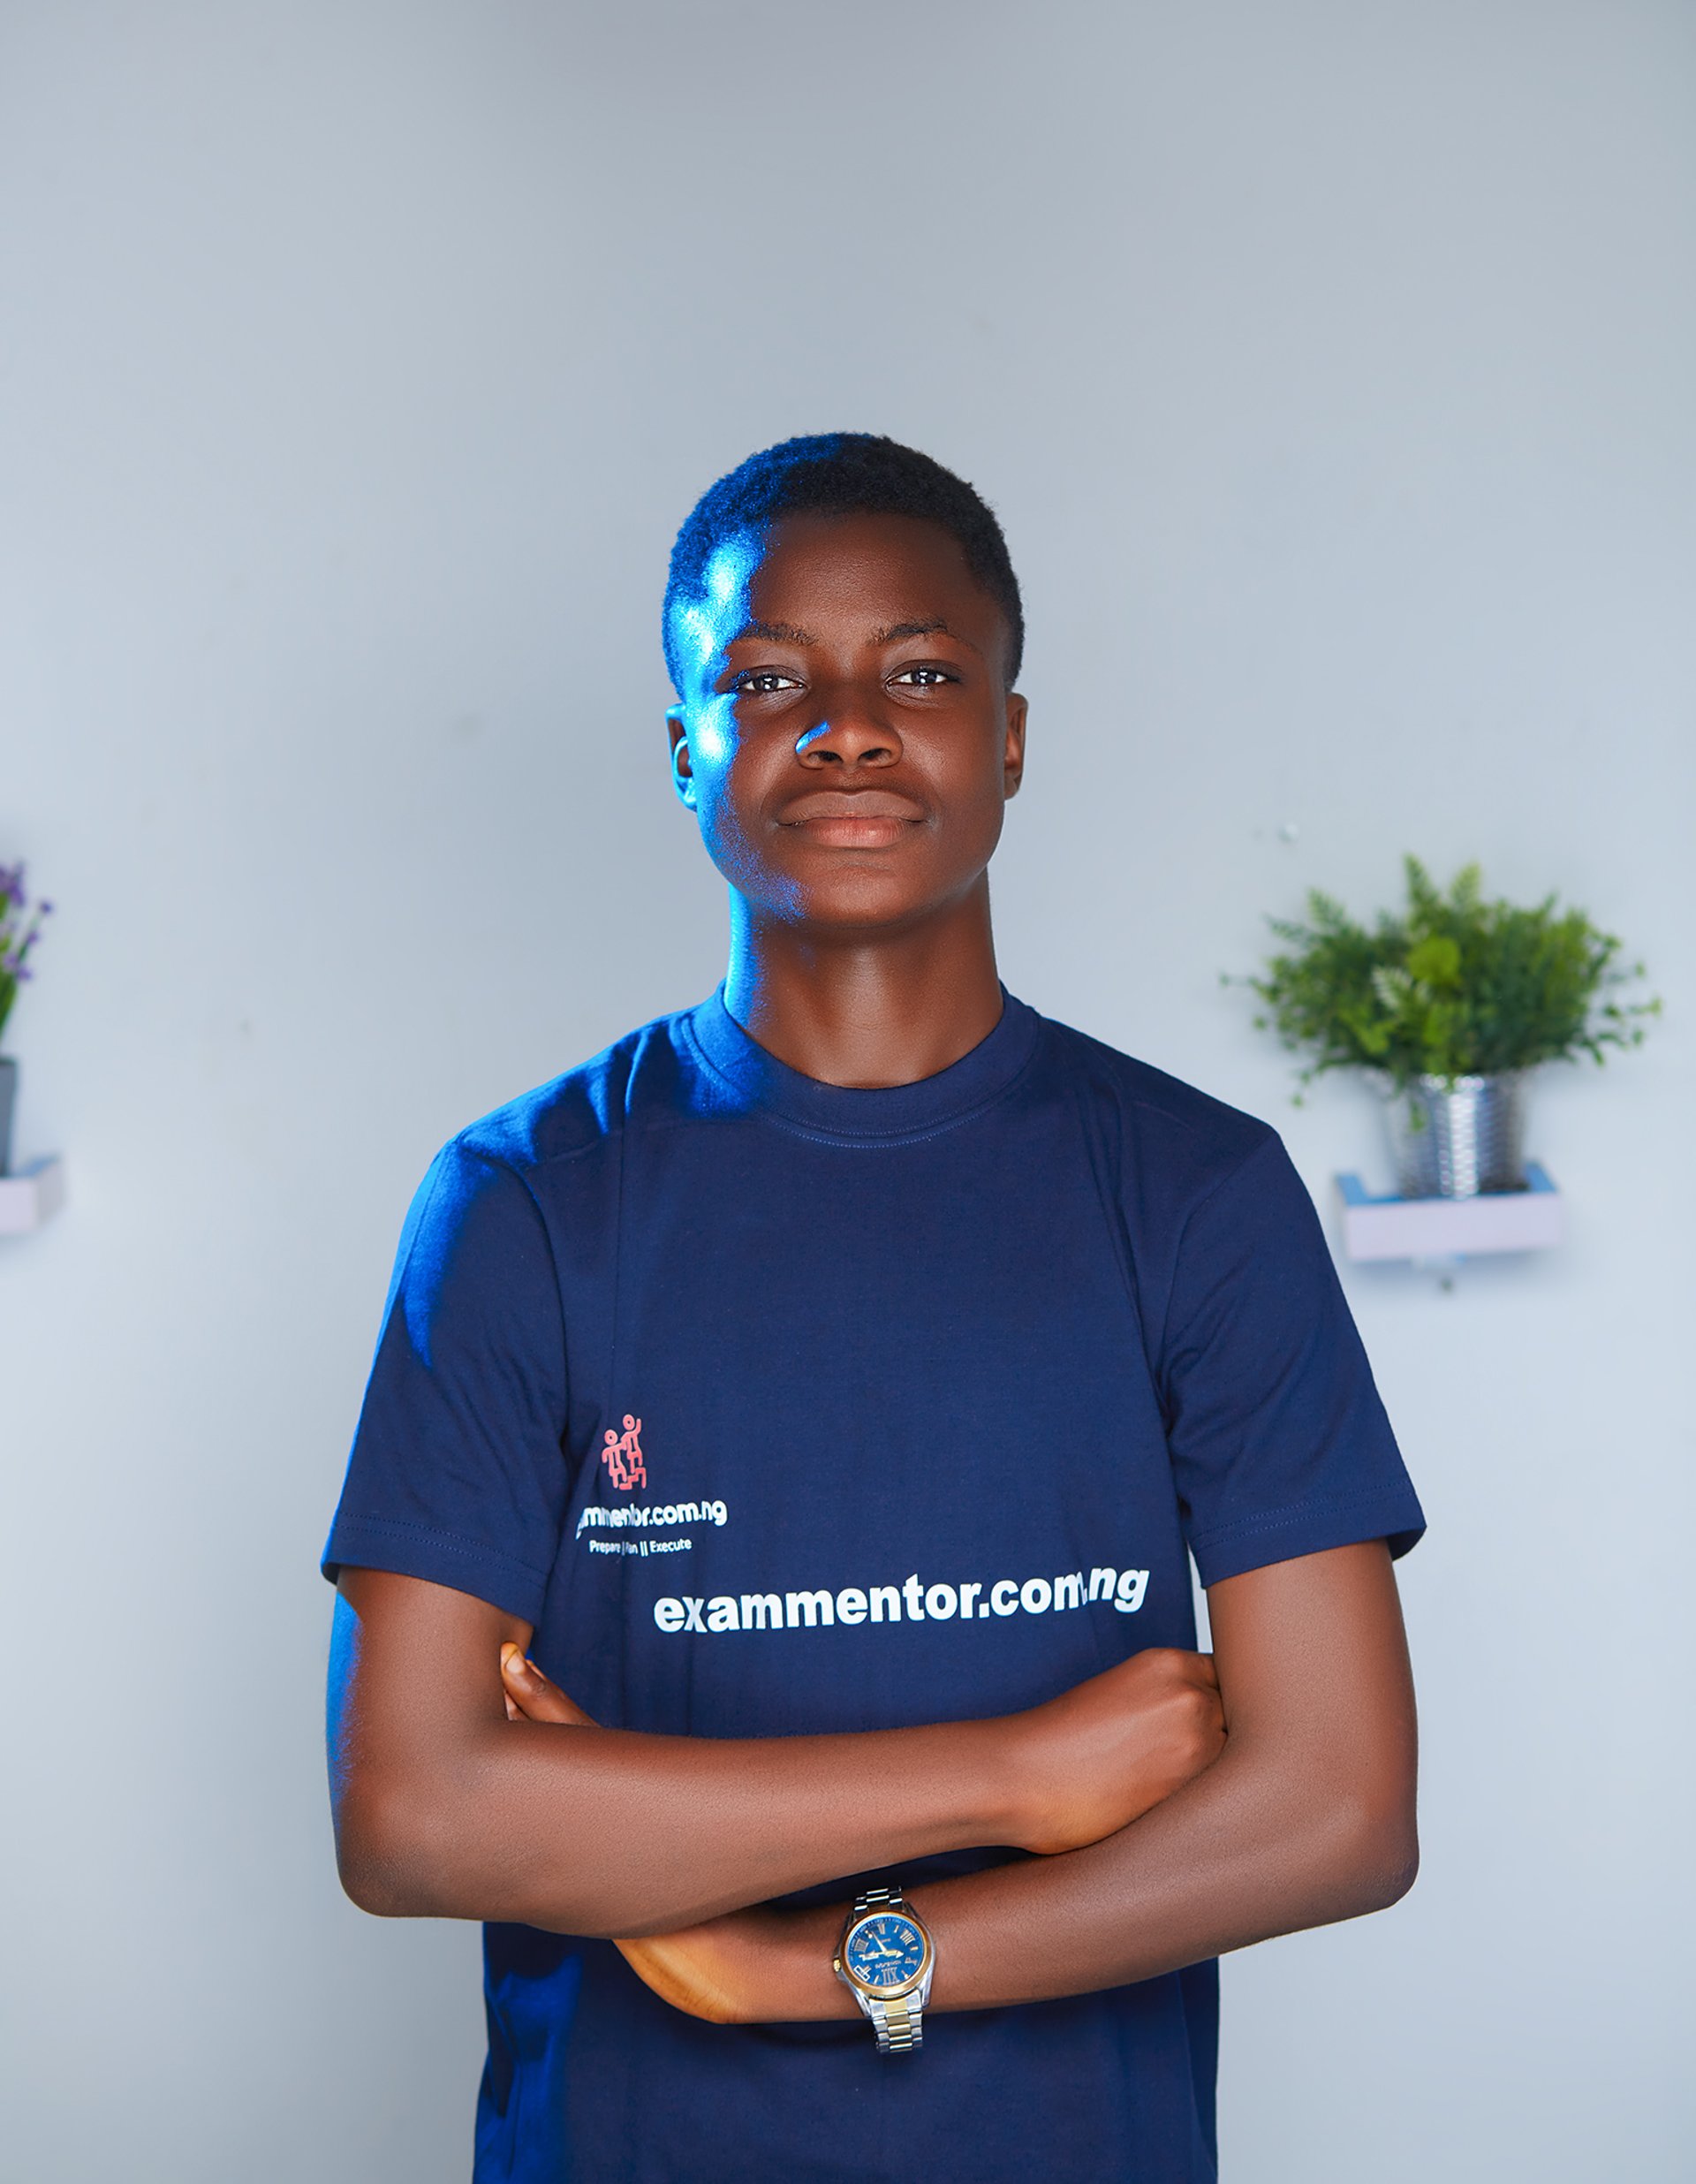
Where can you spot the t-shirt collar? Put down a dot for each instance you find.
(761, 1082)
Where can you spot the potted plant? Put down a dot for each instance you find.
(21, 928)
(1448, 1004)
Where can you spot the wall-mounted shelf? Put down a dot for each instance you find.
(1446, 1229)
(32, 1196)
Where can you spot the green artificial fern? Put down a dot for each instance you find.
(1453, 986)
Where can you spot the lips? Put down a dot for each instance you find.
(828, 805)
(854, 818)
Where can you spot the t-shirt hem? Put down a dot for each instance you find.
(1309, 1529)
(439, 1557)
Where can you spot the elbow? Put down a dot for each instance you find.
(380, 1884)
(395, 1853)
(1379, 1858)
(1387, 1873)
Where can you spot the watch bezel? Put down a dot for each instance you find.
(906, 1987)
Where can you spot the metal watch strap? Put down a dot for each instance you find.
(899, 2024)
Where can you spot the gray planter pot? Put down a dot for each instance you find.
(8, 1101)
(1454, 1137)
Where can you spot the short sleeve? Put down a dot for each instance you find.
(458, 1474)
(1279, 1443)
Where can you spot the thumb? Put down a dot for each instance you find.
(531, 1695)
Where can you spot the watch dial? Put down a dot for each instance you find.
(885, 1950)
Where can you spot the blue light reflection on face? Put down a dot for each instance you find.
(709, 732)
(729, 570)
(702, 629)
(705, 624)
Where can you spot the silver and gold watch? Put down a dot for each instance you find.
(885, 1959)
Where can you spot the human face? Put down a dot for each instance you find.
(845, 737)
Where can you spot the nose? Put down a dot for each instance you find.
(851, 736)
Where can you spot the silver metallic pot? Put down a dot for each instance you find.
(1452, 1137)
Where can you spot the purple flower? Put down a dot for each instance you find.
(19, 932)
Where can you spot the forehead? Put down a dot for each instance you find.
(837, 578)
(857, 561)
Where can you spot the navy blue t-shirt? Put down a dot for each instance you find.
(779, 1407)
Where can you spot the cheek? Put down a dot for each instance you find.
(724, 793)
(712, 739)
(727, 782)
(963, 757)
(974, 804)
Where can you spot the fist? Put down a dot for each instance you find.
(1101, 1754)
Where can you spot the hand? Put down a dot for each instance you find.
(1087, 1764)
(759, 1965)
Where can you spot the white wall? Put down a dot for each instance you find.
(1331, 366)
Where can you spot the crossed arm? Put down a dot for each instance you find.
(1179, 1818)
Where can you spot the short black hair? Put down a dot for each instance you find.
(843, 474)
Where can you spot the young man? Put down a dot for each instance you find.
(769, 1519)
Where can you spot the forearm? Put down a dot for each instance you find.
(445, 1807)
(595, 1831)
(1307, 1818)
(1243, 1852)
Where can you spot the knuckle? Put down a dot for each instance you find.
(1200, 1721)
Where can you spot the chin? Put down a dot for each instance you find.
(866, 906)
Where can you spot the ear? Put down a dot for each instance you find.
(1012, 755)
(683, 774)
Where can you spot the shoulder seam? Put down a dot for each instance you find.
(1171, 1112)
(462, 1142)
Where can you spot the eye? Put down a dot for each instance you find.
(763, 682)
(924, 677)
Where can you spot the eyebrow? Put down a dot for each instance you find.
(789, 633)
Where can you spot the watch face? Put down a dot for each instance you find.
(885, 1951)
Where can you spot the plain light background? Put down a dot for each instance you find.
(1331, 366)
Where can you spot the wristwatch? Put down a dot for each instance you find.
(885, 1959)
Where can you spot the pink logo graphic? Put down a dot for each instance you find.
(622, 1456)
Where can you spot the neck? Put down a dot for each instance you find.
(861, 1009)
